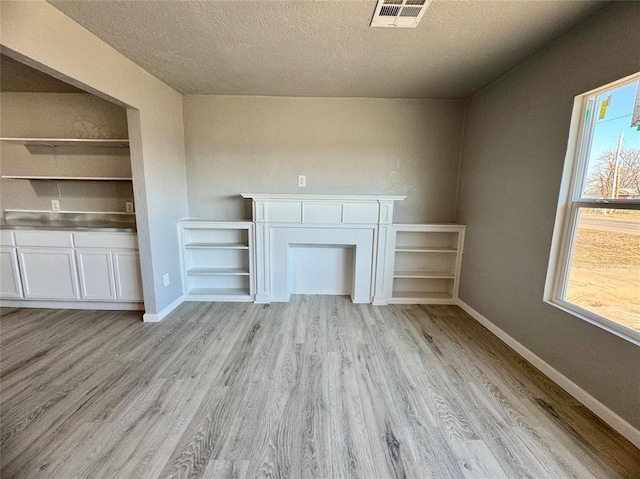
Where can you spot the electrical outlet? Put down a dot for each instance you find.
(128, 207)
(165, 278)
(302, 181)
(55, 205)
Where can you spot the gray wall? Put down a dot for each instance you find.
(63, 115)
(237, 144)
(513, 152)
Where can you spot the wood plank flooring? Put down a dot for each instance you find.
(316, 388)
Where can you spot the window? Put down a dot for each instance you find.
(594, 270)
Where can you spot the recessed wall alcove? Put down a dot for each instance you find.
(344, 256)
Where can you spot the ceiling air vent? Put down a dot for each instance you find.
(399, 13)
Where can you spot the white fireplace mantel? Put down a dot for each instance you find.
(288, 225)
(311, 197)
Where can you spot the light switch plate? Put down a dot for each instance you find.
(55, 205)
(302, 181)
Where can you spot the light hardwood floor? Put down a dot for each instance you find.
(317, 388)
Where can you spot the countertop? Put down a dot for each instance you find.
(73, 222)
(105, 226)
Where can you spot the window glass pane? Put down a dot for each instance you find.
(604, 275)
(613, 169)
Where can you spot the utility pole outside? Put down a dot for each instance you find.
(614, 186)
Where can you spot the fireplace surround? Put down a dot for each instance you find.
(341, 244)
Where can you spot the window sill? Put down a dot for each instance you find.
(612, 327)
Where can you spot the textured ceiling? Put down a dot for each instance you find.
(326, 48)
(18, 77)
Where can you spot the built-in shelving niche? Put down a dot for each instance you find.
(103, 185)
(427, 260)
(217, 260)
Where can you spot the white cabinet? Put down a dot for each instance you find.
(48, 273)
(95, 272)
(44, 268)
(109, 275)
(427, 262)
(47, 265)
(109, 266)
(217, 260)
(10, 285)
(128, 279)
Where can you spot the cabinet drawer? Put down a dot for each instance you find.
(55, 239)
(106, 240)
(6, 238)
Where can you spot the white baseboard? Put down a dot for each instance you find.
(599, 409)
(93, 305)
(155, 318)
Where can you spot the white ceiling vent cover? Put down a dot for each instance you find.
(399, 13)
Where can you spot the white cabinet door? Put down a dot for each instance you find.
(10, 286)
(95, 272)
(127, 273)
(48, 273)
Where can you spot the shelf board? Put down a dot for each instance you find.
(424, 249)
(227, 292)
(421, 295)
(216, 246)
(423, 274)
(111, 142)
(67, 178)
(219, 271)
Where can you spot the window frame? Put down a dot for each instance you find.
(569, 203)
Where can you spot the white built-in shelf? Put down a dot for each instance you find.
(425, 249)
(422, 295)
(217, 260)
(423, 274)
(101, 142)
(216, 245)
(219, 271)
(234, 293)
(67, 178)
(427, 263)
